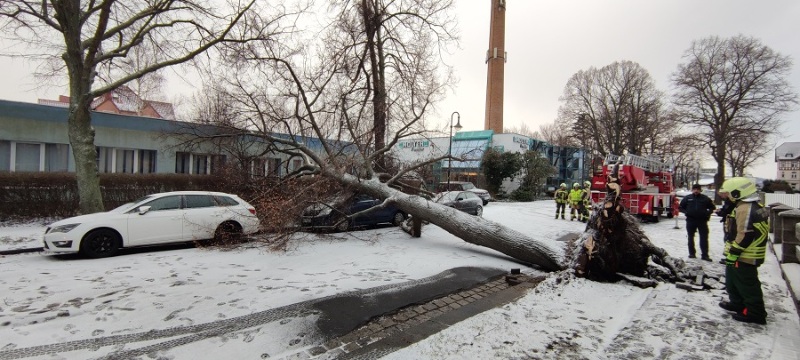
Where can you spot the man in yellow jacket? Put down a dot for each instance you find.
(561, 197)
(746, 252)
(575, 202)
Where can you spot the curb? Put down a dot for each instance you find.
(20, 251)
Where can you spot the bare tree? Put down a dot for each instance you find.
(91, 35)
(614, 109)
(746, 150)
(523, 129)
(302, 95)
(558, 133)
(729, 87)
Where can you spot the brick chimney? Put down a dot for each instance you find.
(496, 60)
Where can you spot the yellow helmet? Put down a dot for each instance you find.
(587, 183)
(738, 187)
(576, 185)
(563, 185)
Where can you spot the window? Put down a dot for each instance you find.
(225, 201)
(296, 164)
(56, 157)
(199, 201)
(259, 167)
(28, 157)
(124, 161)
(183, 163)
(274, 166)
(200, 164)
(165, 203)
(794, 175)
(147, 161)
(5, 155)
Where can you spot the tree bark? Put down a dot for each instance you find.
(472, 229)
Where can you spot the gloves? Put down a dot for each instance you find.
(731, 259)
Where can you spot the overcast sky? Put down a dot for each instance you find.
(549, 41)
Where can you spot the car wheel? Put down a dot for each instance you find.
(100, 243)
(228, 231)
(398, 218)
(485, 202)
(343, 225)
(479, 211)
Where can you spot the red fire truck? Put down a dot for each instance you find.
(647, 188)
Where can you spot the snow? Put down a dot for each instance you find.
(144, 298)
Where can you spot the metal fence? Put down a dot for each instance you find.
(792, 200)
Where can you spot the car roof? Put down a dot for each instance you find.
(192, 193)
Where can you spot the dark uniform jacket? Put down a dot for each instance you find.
(697, 207)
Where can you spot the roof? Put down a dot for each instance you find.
(788, 151)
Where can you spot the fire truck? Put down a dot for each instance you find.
(647, 188)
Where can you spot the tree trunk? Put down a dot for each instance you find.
(81, 137)
(472, 229)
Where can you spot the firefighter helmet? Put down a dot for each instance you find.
(738, 187)
(576, 185)
(587, 183)
(563, 185)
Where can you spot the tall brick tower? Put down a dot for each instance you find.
(496, 60)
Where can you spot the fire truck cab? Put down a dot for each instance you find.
(647, 187)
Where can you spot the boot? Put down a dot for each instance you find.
(731, 307)
(748, 319)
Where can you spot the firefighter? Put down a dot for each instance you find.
(575, 202)
(746, 252)
(561, 200)
(587, 200)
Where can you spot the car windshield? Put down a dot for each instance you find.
(448, 196)
(129, 205)
(467, 186)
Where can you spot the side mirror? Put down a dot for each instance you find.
(143, 210)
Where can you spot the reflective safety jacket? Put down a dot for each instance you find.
(575, 197)
(561, 196)
(751, 232)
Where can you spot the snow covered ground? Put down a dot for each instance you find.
(71, 308)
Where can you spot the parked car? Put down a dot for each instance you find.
(170, 217)
(465, 201)
(330, 214)
(464, 186)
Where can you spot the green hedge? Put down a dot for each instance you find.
(39, 194)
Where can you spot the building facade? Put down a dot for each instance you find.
(33, 138)
(787, 155)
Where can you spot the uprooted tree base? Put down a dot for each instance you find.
(613, 246)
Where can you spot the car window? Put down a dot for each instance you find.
(199, 201)
(165, 203)
(467, 186)
(461, 196)
(225, 201)
(469, 195)
(364, 197)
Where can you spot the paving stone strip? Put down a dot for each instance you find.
(388, 333)
(203, 331)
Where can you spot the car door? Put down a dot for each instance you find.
(162, 223)
(462, 203)
(201, 217)
(362, 202)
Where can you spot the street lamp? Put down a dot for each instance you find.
(450, 146)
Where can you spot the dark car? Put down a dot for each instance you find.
(464, 186)
(465, 201)
(331, 214)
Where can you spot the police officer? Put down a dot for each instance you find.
(698, 209)
(561, 197)
(746, 252)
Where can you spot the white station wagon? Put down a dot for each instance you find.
(171, 217)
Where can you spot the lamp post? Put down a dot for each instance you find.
(450, 146)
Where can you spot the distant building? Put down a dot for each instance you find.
(787, 155)
(122, 101)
